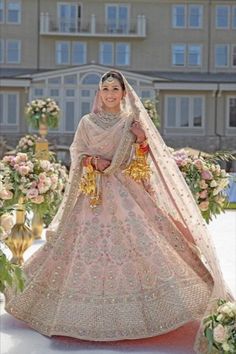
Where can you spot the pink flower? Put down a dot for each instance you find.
(23, 170)
(42, 177)
(220, 333)
(203, 194)
(5, 194)
(198, 163)
(32, 193)
(204, 205)
(206, 174)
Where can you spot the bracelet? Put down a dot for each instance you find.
(144, 143)
(87, 161)
(95, 159)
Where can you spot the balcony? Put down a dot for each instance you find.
(49, 26)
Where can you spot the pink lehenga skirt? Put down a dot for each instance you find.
(119, 271)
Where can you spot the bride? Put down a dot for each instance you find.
(128, 254)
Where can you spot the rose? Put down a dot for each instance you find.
(203, 184)
(6, 195)
(226, 347)
(220, 333)
(213, 183)
(32, 193)
(204, 205)
(45, 165)
(203, 194)
(205, 174)
(198, 164)
(23, 170)
(7, 222)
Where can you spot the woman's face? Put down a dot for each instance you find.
(111, 95)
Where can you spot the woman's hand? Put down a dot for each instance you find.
(101, 164)
(138, 131)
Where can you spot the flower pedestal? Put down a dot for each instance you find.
(20, 237)
(41, 145)
(37, 226)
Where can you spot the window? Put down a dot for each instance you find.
(178, 54)
(221, 55)
(69, 17)
(9, 103)
(70, 79)
(234, 55)
(195, 15)
(62, 53)
(106, 53)
(179, 16)
(13, 51)
(234, 17)
(78, 53)
(232, 111)
(122, 54)
(1, 50)
(184, 111)
(70, 116)
(14, 12)
(194, 55)
(222, 17)
(117, 17)
(70, 53)
(115, 54)
(38, 92)
(183, 16)
(91, 79)
(1, 11)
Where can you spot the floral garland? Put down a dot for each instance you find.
(44, 111)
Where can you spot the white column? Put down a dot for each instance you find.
(93, 24)
(143, 26)
(42, 29)
(139, 25)
(46, 22)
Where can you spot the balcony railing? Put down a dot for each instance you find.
(132, 28)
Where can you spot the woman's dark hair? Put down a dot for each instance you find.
(116, 75)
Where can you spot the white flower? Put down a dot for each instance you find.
(213, 183)
(45, 165)
(226, 347)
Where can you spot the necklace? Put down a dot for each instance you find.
(108, 119)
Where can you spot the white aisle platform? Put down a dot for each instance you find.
(18, 338)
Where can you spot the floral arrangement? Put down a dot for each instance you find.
(40, 182)
(11, 274)
(150, 107)
(27, 144)
(44, 111)
(206, 181)
(220, 328)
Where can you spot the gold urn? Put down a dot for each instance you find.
(21, 236)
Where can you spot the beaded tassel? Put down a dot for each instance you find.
(89, 185)
(139, 168)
